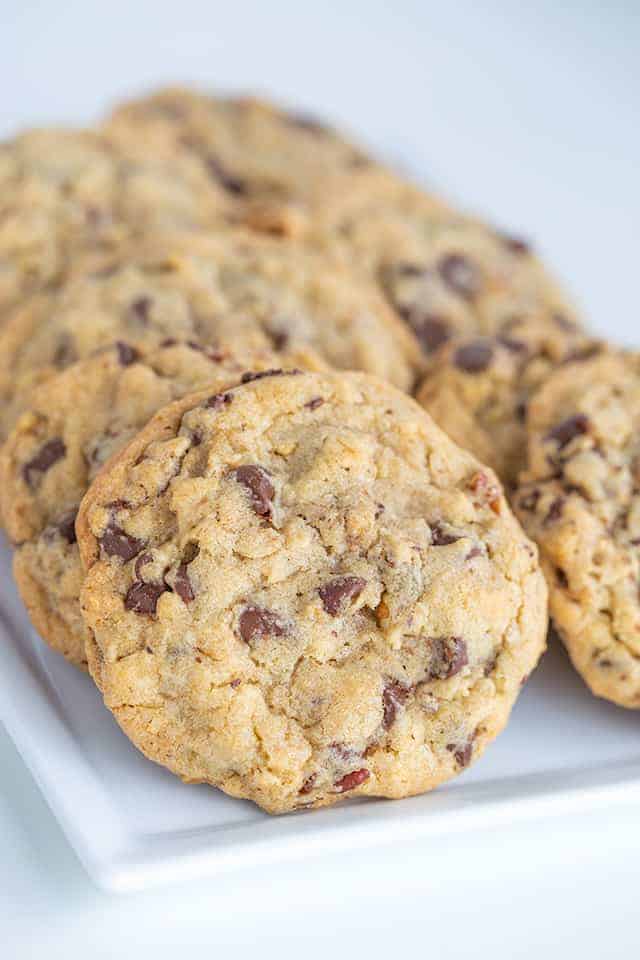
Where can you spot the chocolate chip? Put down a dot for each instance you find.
(143, 597)
(306, 122)
(219, 400)
(555, 511)
(393, 697)
(511, 344)
(566, 431)
(231, 183)
(440, 537)
(520, 411)
(529, 501)
(404, 269)
(460, 274)
(279, 338)
(140, 308)
(66, 526)
(116, 543)
(564, 323)
(335, 593)
(258, 622)
(515, 244)
(308, 784)
(65, 353)
(314, 403)
(257, 481)
(473, 357)
(448, 657)
(352, 780)
(169, 342)
(126, 354)
(431, 331)
(43, 460)
(462, 753)
(182, 584)
(259, 374)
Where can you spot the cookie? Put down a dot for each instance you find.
(275, 164)
(205, 287)
(75, 422)
(66, 192)
(478, 388)
(580, 499)
(299, 589)
(443, 273)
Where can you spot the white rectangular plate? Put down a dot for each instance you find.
(133, 825)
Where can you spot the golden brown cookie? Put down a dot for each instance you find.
(299, 588)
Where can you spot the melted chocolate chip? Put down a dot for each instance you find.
(529, 501)
(182, 584)
(65, 352)
(473, 357)
(259, 374)
(258, 483)
(393, 697)
(431, 331)
(306, 122)
(258, 622)
(335, 593)
(64, 527)
(116, 543)
(440, 537)
(126, 354)
(460, 274)
(448, 657)
(555, 511)
(511, 344)
(462, 753)
(43, 460)
(140, 308)
(219, 400)
(515, 244)
(143, 597)
(566, 431)
(232, 184)
(352, 780)
(314, 403)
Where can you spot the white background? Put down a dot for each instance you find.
(527, 113)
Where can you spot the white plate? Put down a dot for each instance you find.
(134, 825)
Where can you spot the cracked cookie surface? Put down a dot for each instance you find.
(580, 500)
(227, 285)
(75, 422)
(478, 388)
(300, 588)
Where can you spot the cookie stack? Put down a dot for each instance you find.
(284, 578)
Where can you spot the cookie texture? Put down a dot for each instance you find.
(580, 499)
(206, 287)
(299, 589)
(65, 193)
(478, 388)
(75, 423)
(443, 273)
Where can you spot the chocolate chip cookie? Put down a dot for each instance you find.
(75, 422)
(299, 588)
(65, 193)
(205, 286)
(580, 499)
(478, 388)
(442, 272)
